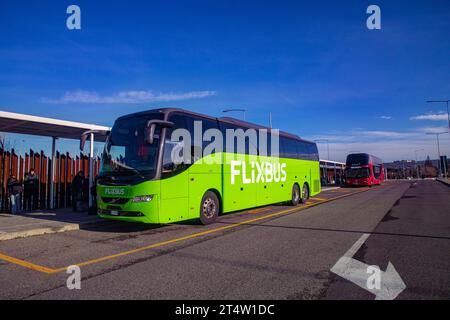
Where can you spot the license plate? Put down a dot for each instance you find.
(114, 213)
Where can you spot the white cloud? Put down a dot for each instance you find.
(431, 116)
(385, 117)
(385, 134)
(364, 135)
(132, 96)
(432, 129)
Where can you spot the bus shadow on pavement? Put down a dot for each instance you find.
(108, 226)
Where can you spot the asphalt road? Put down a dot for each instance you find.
(275, 254)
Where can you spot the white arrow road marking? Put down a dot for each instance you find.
(356, 271)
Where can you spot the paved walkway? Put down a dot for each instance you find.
(29, 224)
(444, 181)
(42, 222)
(329, 188)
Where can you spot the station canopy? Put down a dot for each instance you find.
(41, 126)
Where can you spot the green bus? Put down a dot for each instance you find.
(140, 181)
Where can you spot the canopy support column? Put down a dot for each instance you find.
(91, 168)
(335, 173)
(52, 174)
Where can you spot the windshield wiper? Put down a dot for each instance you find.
(122, 171)
(128, 171)
(124, 168)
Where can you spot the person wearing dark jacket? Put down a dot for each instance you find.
(14, 191)
(77, 189)
(93, 208)
(26, 193)
(31, 185)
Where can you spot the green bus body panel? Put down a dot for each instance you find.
(174, 198)
(179, 197)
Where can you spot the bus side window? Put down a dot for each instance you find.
(302, 150)
(289, 148)
(206, 125)
(283, 147)
(268, 151)
(312, 153)
(251, 147)
(376, 171)
(250, 139)
(196, 150)
(169, 166)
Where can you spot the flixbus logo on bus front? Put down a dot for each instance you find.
(260, 172)
(115, 191)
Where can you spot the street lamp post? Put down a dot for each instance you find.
(270, 120)
(417, 167)
(439, 151)
(235, 110)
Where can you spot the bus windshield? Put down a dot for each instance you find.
(358, 159)
(358, 173)
(126, 152)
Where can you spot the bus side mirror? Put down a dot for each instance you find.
(149, 132)
(83, 139)
(86, 134)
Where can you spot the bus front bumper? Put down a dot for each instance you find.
(359, 182)
(132, 212)
(129, 203)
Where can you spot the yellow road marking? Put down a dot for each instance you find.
(259, 210)
(317, 198)
(43, 269)
(26, 264)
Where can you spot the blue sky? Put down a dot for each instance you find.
(315, 66)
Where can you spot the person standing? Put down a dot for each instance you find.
(93, 209)
(26, 193)
(14, 191)
(77, 189)
(32, 190)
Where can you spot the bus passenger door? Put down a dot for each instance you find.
(174, 180)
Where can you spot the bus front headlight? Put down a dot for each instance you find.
(146, 198)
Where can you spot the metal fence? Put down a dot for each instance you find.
(66, 167)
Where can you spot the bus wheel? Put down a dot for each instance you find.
(209, 208)
(295, 195)
(305, 193)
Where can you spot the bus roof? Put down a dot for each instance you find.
(245, 124)
(374, 158)
(230, 120)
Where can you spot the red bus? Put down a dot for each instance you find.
(363, 169)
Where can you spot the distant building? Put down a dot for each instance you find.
(430, 171)
(402, 169)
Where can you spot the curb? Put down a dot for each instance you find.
(447, 183)
(329, 188)
(47, 230)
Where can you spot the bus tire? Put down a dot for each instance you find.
(305, 193)
(209, 208)
(295, 195)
